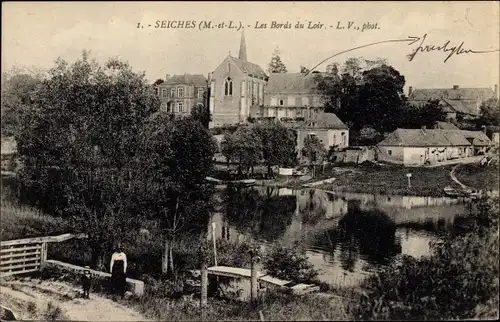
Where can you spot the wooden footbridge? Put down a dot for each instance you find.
(244, 273)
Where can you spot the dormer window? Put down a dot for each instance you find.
(228, 87)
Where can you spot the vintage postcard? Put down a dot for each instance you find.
(230, 160)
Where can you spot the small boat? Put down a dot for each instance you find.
(452, 192)
(244, 182)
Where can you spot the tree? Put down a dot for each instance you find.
(313, 150)
(304, 70)
(78, 143)
(158, 82)
(490, 112)
(177, 157)
(276, 65)
(18, 87)
(245, 148)
(278, 145)
(201, 111)
(424, 115)
(290, 263)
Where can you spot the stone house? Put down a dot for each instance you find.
(290, 96)
(180, 93)
(327, 127)
(414, 147)
(457, 103)
(235, 86)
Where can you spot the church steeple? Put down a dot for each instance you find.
(243, 46)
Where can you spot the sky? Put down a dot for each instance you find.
(37, 33)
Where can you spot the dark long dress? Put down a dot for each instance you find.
(118, 278)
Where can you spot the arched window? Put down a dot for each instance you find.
(228, 87)
(180, 92)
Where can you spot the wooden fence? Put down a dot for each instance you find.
(27, 255)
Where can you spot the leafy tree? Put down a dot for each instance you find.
(176, 158)
(304, 70)
(246, 148)
(490, 112)
(158, 82)
(278, 145)
(276, 65)
(313, 149)
(78, 142)
(18, 87)
(424, 115)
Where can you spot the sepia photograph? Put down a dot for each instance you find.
(250, 160)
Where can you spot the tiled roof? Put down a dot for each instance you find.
(435, 137)
(249, 68)
(426, 94)
(478, 138)
(187, 79)
(324, 121)
(288, 83)
(445, 126)
(463, 106)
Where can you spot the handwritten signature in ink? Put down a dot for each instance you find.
(445, 48)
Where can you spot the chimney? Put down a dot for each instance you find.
(410, 90)
(455, 86)
(167, 77)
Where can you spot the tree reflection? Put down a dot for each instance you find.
(261, 213)
(366, 234)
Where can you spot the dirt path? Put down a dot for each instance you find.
(30, 300)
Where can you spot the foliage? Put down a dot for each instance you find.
(276, 65)
(243, 147)
(313, 149)
(490, 112)
(278, 145)
(304, 70)
(424, 115)
(18, 87)
(158, 82)
(459, 280)
(290, 264)
(367, 93)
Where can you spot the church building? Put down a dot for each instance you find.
(236, 86)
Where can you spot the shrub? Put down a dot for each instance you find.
(290, 264)
(53, 313)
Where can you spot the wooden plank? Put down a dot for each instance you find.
(18, 266)
(31, 270)
(21, 260)
(19, 249)
(49, 239)
(7, 256)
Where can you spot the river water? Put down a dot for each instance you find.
(347, 235)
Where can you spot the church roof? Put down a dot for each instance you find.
(445, 126)
(251, 69)
(289, 83)
(187, 79)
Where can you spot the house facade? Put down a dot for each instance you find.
(290, 96)
(457, 103)
(235, 86)
(414, 147)
(327, 127)
(180, 93)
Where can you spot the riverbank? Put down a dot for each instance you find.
(478, 177)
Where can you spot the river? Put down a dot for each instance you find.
(346, 236)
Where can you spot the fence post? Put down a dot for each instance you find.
(254, 283)
(204, 284)
(43, 255)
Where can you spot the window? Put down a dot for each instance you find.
(180, 107)
(273, 101)
(315, 100)
(242, 89)
(200, 92)
(291, 101)
(261, 91)
(282, 102)
(164, 93)
(172, 92)
(180, 92)
(305, 101)
(389, 152)
(228, 87)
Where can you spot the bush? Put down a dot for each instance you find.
(290, 264)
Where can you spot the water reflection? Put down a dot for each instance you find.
(346, 235)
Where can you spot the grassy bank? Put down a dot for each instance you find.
(479, 177)
(389, 179)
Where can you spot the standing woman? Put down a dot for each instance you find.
(118, 268)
